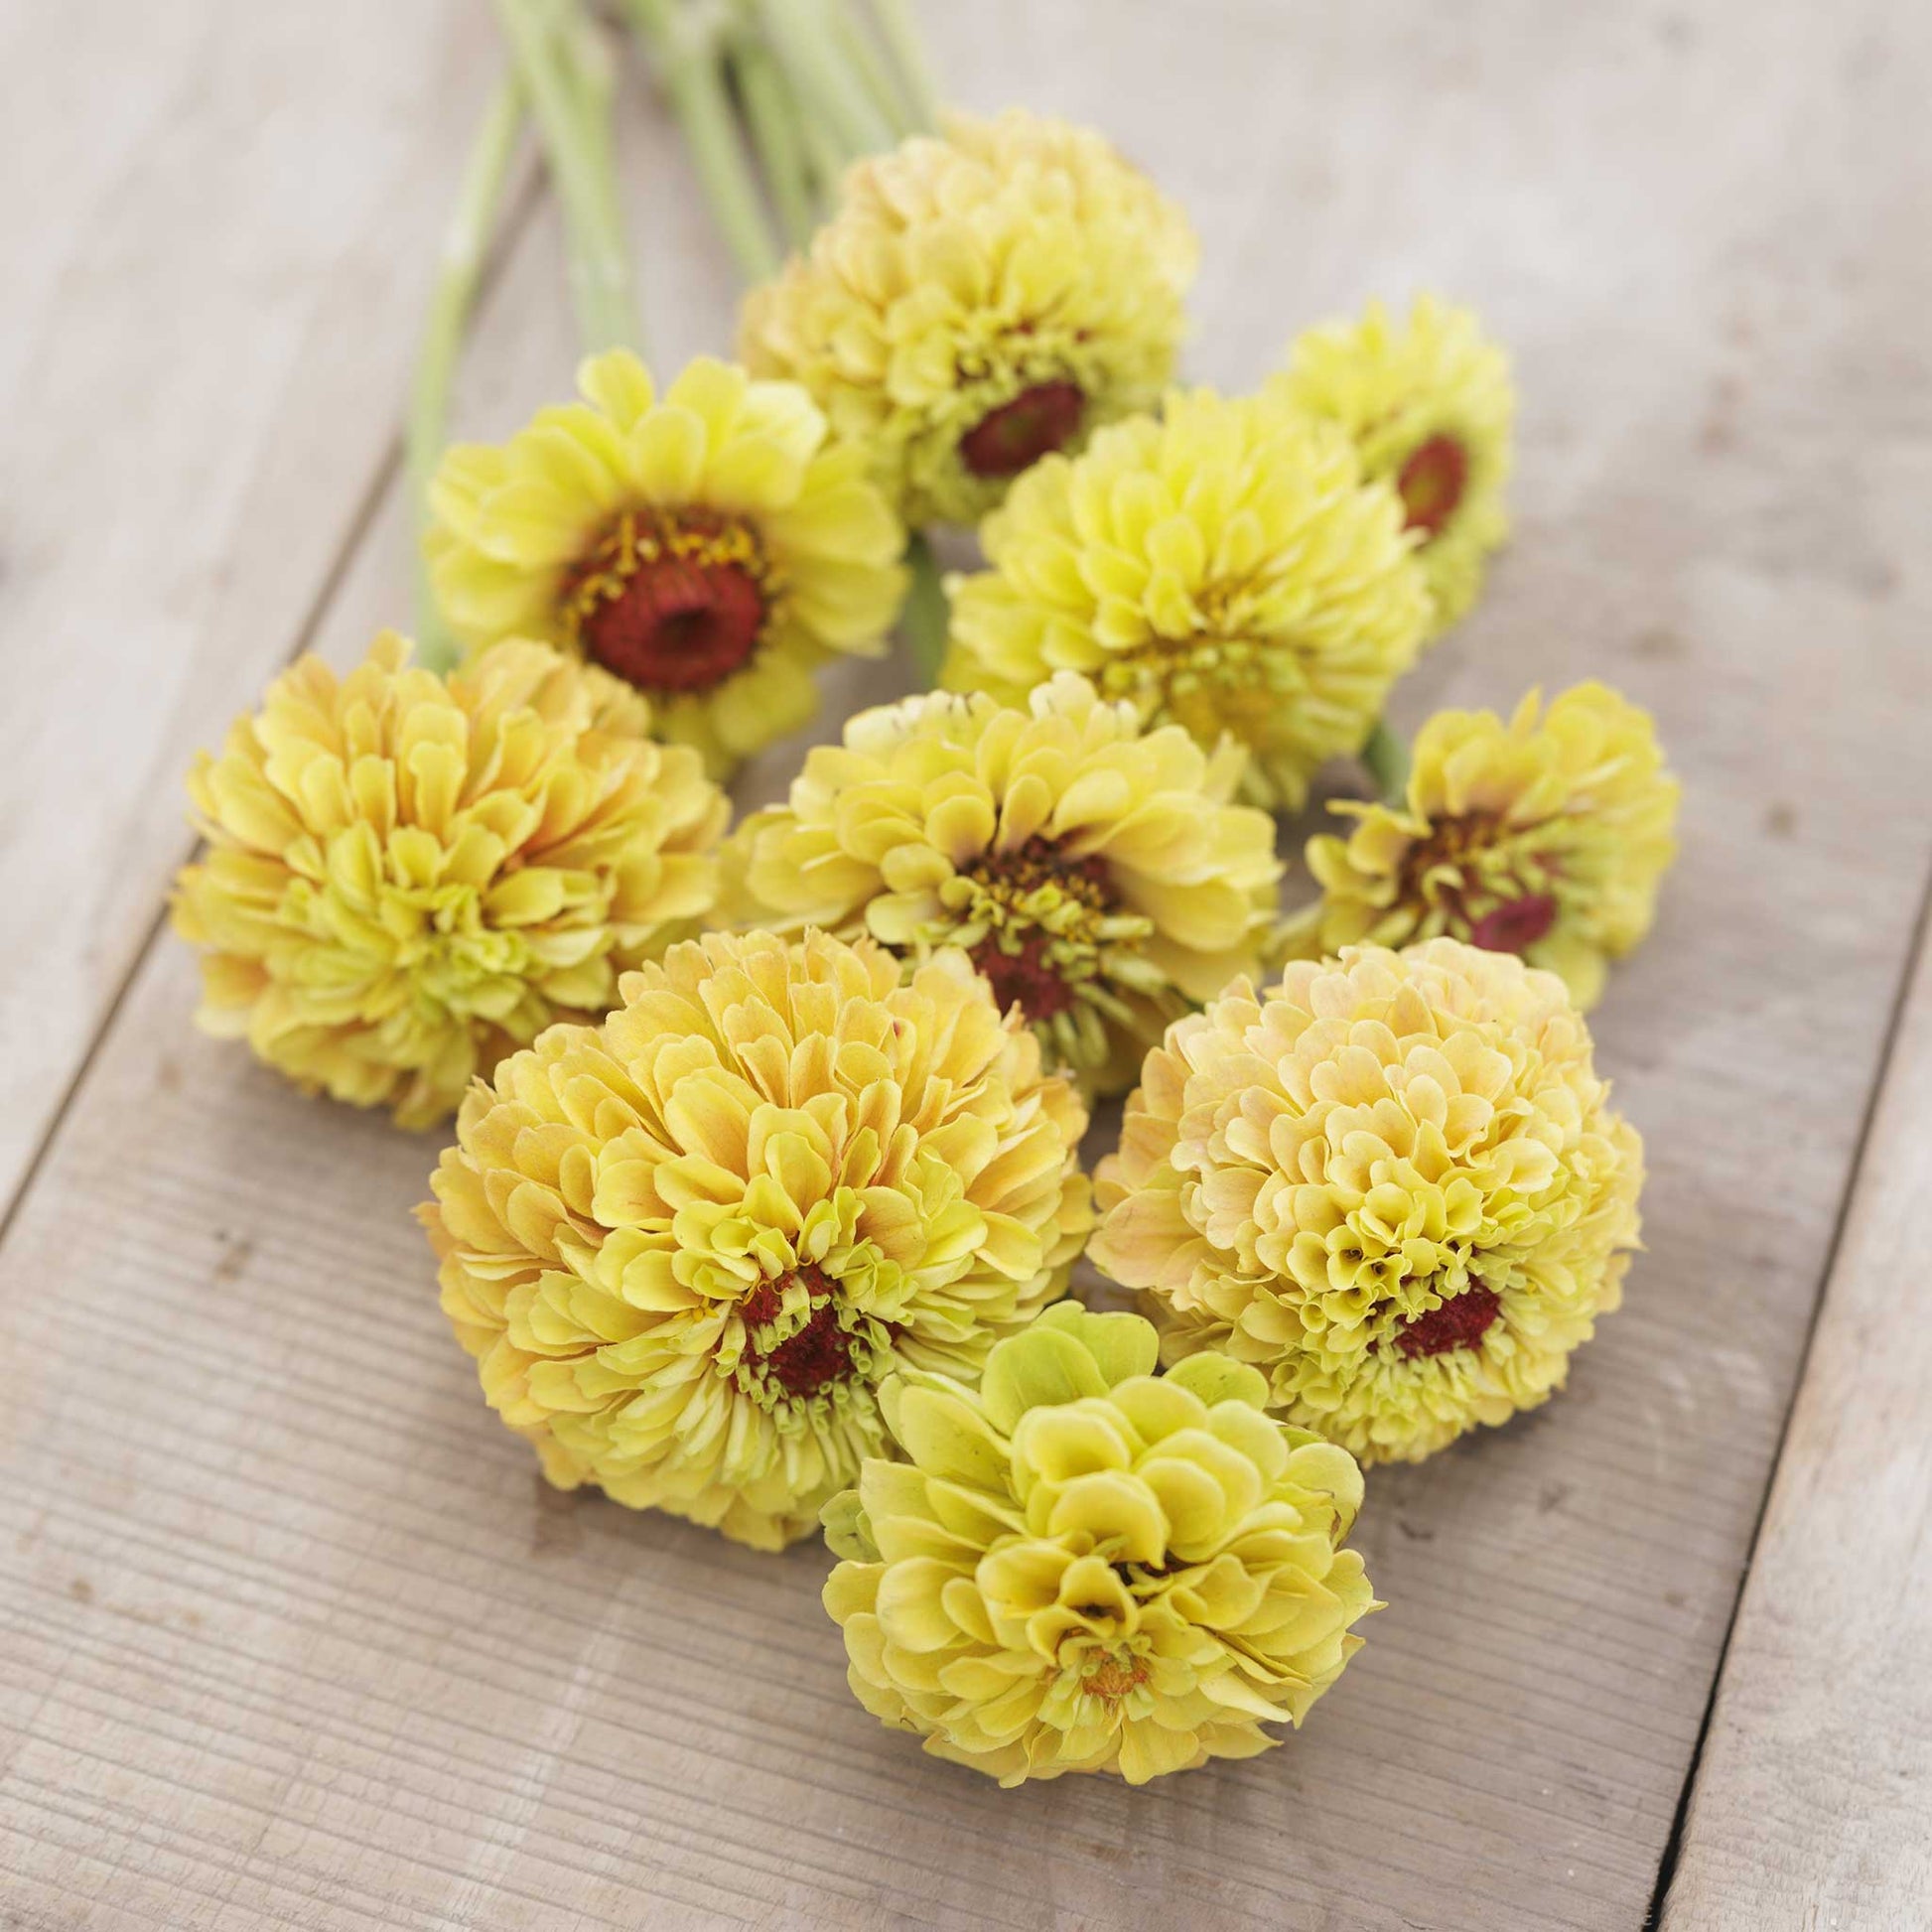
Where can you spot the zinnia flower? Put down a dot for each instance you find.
(710, 548)
(1094, 872)
(686, 1246)
(1429, 407)
(1088, 1567)
(409, 877)
(1393, 1183)
(1225, 568)
(977, 301)
(1547, 837)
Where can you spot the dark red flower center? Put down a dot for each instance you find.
(1459, 1322)
(669, 602)
(1516, 923)
(1022, 978)
(1016, 968)
(809, 1357)
(1037, 422)
(1431, 482)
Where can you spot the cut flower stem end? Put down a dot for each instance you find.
(1387, 759)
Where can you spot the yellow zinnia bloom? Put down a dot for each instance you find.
(1095, 872)
(1393, 1183)
(1429, 407)
(1546, 836)
(686, 1246)
(1088, 1567)
(979, 300)
(407, 877)
(1225, 567)
(710, 547)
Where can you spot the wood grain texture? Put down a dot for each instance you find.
(218, 232)
(1813, 1805)
(294, 1638)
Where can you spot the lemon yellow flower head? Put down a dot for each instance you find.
(685, 1247)
(1226, 568)
(1095, 872)
(1429, 407)
(1546, 836)
(407, 877)
(710, 547)
(1090, 1567)
(976, 301)
(1392, 1181)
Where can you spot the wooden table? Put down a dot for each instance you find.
(293, 1636)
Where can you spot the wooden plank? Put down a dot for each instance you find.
(221, 225)
(300, 1641)
(1813, 1802)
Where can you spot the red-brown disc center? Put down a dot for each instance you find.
(677, 625)
(1037, 422)
(1431, 482)
(1515, 924)
(1022, 977)
(1459, 1322)
(810, 1357)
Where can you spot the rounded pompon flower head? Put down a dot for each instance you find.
(686, 1246)
(408, 877)
(709, 547)
(1225, 568)
(1429, 407)
(1546, 836)
(1393, 1183)
(1090, 1567)
(977, 301)
(1095, 872)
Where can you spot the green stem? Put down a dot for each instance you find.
(927, 617)
(827, 89)
(687, 48)
(774, 121)
(872, 73)
(903, 41)
(457, 272)
(1387, 759)
(566, 75)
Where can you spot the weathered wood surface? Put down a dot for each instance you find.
(294, 1637)
(218, 232)
(1813, 1804)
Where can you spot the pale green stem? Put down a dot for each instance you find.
(774, 121)
(864, 60)
(567, 77)
(459, 269)
(687, 46)
(1387, 759)
(903, 41)
(828, 91)
(927, 617)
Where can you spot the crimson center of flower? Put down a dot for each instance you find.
(1037, 422)
(670, 602)
(1017, 959)
(1516, 923)
(1431, 482)
(812, 1356)
(1459, 1322)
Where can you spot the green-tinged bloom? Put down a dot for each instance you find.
(1086, 1565)
(1546, 836)
(1227, 568)
(1095, 871)
(685, 1246)
(1393, 1182)
(1429, 406)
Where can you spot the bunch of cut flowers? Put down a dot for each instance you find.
(767, 1174)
